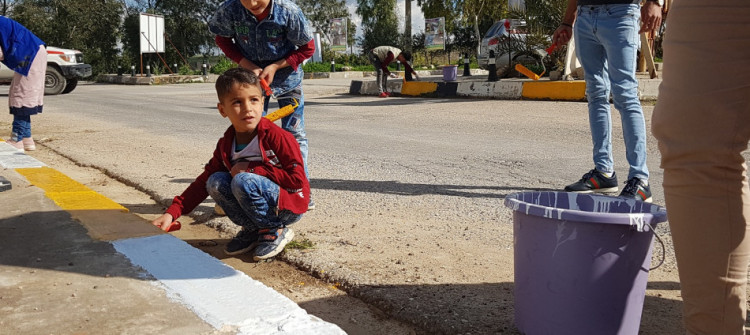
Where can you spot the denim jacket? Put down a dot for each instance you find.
(267, 41)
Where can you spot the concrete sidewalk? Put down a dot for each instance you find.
(76, 262)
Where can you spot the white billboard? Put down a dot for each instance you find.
(152, 33)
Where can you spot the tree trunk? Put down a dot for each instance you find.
(407, 25)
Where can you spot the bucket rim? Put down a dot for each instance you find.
(649, 214)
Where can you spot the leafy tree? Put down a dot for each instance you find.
(479, 14)
(379, 23)
(542, 18)
(91, 26)
(320, 12)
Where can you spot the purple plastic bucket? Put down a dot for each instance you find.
(581, 261)
(450, 72)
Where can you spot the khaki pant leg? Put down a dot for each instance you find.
(702, 123)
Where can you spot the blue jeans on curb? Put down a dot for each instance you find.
(607, 41)
(295, 122)
(249, 200)
(21, 127)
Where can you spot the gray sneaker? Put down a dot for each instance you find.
(272, 242)
(246, 240)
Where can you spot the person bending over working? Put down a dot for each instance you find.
(256, 173)
(26, 54)
(380, 57)
(606, 42)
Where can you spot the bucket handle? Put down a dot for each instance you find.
(663, 249)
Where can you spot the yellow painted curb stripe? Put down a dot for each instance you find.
(554, 90)
(417, 88)
(66, 192)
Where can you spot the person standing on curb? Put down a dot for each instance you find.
(607, 40)
(26, 54)
(380, 57)
(271, 38)
(702, 125)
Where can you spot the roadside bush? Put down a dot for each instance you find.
(222, 65)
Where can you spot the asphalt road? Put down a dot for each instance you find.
(409, 191)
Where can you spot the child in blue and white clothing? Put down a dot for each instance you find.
(26, 54)
(270, 38)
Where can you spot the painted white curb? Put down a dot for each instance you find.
(11, 158)
(217, 293)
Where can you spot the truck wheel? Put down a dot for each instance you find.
(70, 86)
(54, 82)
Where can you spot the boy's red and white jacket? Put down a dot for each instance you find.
(282, 164)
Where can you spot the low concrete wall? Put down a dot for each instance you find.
(509, 89)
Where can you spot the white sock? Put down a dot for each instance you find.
(607, 174)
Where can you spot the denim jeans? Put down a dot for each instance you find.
(382, 77)
(21, 127)
(295, 122)
(249, 200)
(607, 41)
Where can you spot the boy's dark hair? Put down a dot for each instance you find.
(236, 75)
(407, 55)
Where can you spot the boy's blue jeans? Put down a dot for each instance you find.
(607, 41)
(21, 127)
(249, 200)
(295, 122)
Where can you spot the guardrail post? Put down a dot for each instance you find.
(491, 67)
(467, 72)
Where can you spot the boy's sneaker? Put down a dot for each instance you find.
(272, 242)
(311, 205)
(383, 95)
(594, 181)
(246, 240)
(636, 189)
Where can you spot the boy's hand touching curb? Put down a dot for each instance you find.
(163, 221)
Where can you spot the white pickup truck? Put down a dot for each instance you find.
(64, 68)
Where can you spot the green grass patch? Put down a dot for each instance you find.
(301, 245)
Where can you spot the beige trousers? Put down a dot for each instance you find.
(702, 124)
(28, 91)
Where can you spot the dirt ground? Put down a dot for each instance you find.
(369, 308)
(320, 298)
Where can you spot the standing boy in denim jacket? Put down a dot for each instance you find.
(270, 38)
(256, 173)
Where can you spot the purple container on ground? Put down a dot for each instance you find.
(450, 72)
(581, 262)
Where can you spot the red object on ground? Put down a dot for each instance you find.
(176, 225)
(383, 95)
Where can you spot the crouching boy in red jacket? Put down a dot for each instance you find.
(256, 173)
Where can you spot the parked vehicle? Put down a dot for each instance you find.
(64, 68)
(496, 36)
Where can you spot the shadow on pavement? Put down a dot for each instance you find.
(395, 187)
